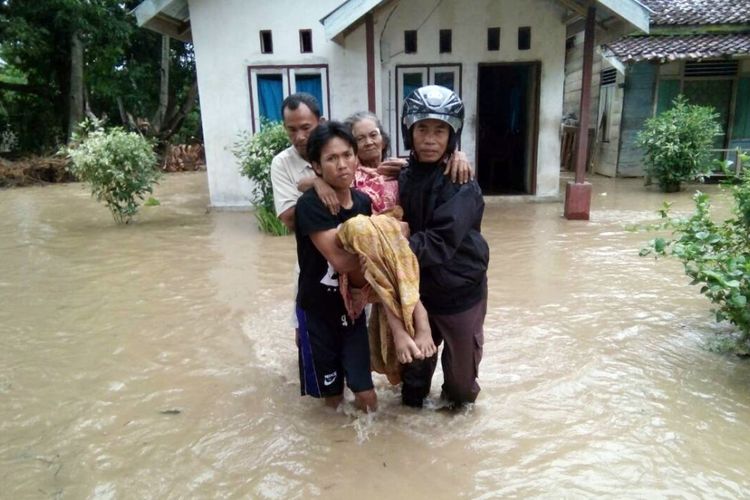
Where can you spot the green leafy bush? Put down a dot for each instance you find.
(255, 153)
(120, 166)
(716, 256)
(677, 143)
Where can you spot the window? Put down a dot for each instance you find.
(270, 93)
(493, 38)
(311, 83)
(711, 68)
(410, 41)
(607, 83)
(445, 79)
(410, 78)
(266, 42)
(712, 83)
(741, 126)
(524, 38)
(666, 90)
(446, 41)
(305, 41)
(570, 42)
(269, 85)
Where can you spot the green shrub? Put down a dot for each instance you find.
(120, 166)
(677, 143)
(715, 255)
(255, 153)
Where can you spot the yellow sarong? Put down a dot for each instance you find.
(392, 272)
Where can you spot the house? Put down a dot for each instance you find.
(505, 58)
(698, 48)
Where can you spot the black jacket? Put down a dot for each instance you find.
(445, 222)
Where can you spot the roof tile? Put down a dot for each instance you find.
(694, 12)
(677, 47)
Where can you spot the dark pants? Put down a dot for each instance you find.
(463, 334)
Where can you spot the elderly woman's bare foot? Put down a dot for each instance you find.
(423, 332)
(406, 349)
(423, 341)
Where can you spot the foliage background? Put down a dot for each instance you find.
(715, 255)
(121, 61)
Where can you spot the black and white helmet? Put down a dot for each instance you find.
(433, 102)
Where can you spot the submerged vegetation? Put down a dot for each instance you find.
(255, 154)
(716, 256)
(119, 166)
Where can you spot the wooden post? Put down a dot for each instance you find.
(370, 48)
(578, 193)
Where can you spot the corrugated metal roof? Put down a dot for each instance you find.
(678, 47)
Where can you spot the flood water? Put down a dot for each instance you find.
(156, 360)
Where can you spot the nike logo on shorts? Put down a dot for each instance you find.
(329, 378)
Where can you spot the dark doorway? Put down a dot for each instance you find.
(507, 127)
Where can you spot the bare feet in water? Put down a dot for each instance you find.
(406, 349)
(423, 332)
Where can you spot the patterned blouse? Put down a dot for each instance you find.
(383, 191)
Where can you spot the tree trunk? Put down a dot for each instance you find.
(161, 111)
(75, 111)
(125, 117)
(175, 121)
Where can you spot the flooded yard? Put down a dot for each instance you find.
(157, 360)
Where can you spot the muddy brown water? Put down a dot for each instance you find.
(156, 360)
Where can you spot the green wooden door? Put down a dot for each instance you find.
(741, 126)
(715, 93)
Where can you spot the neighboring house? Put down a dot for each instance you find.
(505, 58)
(698, 48)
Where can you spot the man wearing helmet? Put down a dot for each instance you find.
(444, 220)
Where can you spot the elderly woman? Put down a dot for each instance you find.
(377, 174)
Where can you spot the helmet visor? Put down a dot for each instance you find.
(411, 119)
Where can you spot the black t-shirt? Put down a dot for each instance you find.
(318, 281)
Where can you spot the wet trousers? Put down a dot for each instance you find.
(463, 337)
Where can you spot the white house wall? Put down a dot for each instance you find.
(469, 22)
(227, 41)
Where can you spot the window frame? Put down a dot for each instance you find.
(428, 72)
(678, 74)
(289, 85)
(606, 103)
(605, 109)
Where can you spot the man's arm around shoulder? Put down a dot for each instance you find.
(285, 192)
